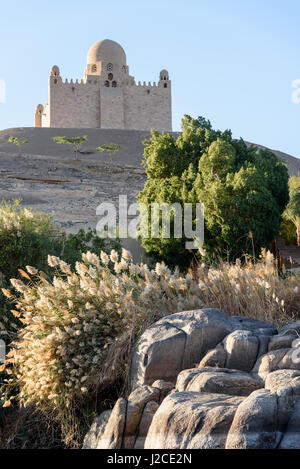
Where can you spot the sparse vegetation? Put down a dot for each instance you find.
(27, 237)
(19, 143)
(110, 149)
(75, 142)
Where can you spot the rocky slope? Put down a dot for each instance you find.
(204, 380)
(47, 178)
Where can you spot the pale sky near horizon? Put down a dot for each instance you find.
(232, 61)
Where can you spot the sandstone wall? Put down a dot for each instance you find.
(88, 104)
(74, 104)
(148, 107)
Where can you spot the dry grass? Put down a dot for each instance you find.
(254, 290)
(79, 330)
(28, 428)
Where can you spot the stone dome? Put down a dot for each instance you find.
(106, 51)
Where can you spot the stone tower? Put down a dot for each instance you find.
(108, 96)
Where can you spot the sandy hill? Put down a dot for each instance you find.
(41, 143)
(47, 178)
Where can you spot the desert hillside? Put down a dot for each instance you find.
(41, 143)
(47, 177)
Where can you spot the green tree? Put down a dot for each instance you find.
(76, 142)
(288, 232)
(19, 143)
(292, 211)
(244, 190)
(294, 182)
(110, 149)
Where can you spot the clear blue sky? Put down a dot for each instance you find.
(232, 61)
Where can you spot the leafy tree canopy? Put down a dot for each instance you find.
(76, 142)
(244, 189)
(109, 147)
(292, 211)
(16, 141)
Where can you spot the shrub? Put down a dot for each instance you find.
(244, 190)
(288, 232)
(19, 143)
(292, 211)
(79, 327)
(251, 289)
(27, 237)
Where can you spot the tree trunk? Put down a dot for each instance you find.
(298, 236)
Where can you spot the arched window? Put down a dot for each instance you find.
(94, 68)
(166, 85)
(55, 81)
(109, 67)
(114, 84)
(110, 76)
(107, 84)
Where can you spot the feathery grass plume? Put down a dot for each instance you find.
(80, 328)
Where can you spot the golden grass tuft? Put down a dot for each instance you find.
(80, 328)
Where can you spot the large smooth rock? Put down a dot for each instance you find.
(282, 379)
(177, 342)
(96, 431)
(264, 341)
(137, 401)
(186, 376)
(296, 343)
(164, 388)
(286, 385)
(291, 328)
(255, 423)
(256, 326)
(291, 437)
(276, 360)
(269, 362)
(189, 420)
(242, 348)
(220, 381)
(112, 436)
(145, 422)
(216, 358)
(281, 341)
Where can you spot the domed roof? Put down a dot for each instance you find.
(106, 51)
